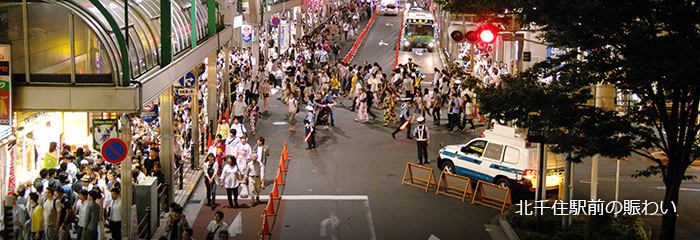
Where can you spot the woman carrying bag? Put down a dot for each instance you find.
(231, 179)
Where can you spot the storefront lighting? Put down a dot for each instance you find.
(406, 43)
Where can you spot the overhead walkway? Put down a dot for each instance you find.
(77, 62)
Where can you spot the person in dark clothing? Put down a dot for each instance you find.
(370, 102)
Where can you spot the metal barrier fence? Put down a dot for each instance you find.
(144, 227)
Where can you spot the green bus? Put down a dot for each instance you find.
(419, 30)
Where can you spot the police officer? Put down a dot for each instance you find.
(411, 65)
(309, 126)
(422, 140)
(405, 120)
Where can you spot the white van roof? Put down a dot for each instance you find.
(505, 134)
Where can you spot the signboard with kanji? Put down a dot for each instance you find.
(5, 85)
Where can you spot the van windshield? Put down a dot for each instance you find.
(476, 147)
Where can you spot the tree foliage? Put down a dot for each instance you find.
(648, 48)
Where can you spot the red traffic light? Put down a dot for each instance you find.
(487, 34)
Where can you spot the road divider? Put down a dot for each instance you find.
(458, 187)
(348, 57)
(419, 176)
(491, 195)
(398, 43)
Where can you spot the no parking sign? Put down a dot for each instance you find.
(114, 150)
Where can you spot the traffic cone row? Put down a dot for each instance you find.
(270, 210)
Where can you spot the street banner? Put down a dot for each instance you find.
(284, 37)
(103, 130)
(246, 33)
(5, 85)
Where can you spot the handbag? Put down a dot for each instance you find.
(210, 235)
(244, 191)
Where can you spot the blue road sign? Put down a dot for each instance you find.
(188, 80)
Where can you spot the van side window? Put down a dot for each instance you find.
(512, 155)
(476, 147)
(494, 151)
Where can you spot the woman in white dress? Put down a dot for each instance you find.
(230, 179)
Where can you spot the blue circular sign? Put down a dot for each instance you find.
(275, 21)
(114, 150)
(188, 80)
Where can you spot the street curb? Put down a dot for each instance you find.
(507, 229)
(198, 175)
(398, 42)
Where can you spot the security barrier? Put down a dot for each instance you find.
(458, 187)
(419, 176)
(491, 195)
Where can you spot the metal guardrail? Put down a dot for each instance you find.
(163, 197)
(146, 223)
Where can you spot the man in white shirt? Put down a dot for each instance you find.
(239, 127)
(115, 216)
(255, 171)
(239, 108)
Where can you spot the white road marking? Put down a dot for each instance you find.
(433, 237)
(369, 220)
(381, 42)
(585, 181)
(279, 123)
(389, 24)
(236, 226)
(331, 222)
(683, 189)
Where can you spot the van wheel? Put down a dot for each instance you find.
(448, 167)
(503, 182)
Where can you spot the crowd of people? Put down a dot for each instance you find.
(78, 193)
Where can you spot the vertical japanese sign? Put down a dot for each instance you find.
(5, 85)
(284, 37)
(246, 33)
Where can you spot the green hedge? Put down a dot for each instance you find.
(604, 227)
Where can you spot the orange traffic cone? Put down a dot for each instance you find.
(285, 146)
(285, 155)
(279, 179)
(282, 167)
(209, 140)
(270, 210)
(275, 194)
(227, 122)
(265, 230)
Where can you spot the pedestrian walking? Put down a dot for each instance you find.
(217, 225)
(115, 214)
(422, 140)
(388, 105)
(292, 109)
(362, 106)
(93, 217)
(253, 115)
(255, 171)
(468, 114)
(453, 112)
(404, 119)
(262, 150)
(51, 208)
(177, 223)
(210, 170)
(231, 179)
(36, 220)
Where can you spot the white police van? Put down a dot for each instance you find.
(501, 157)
